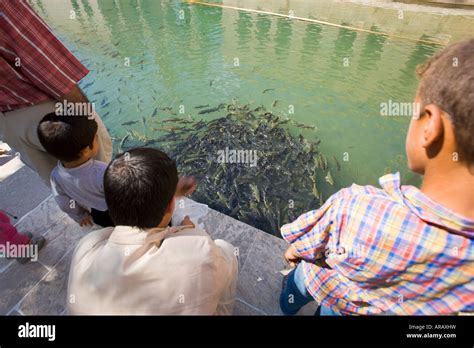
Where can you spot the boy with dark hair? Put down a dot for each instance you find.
(400, 249)
(77, 179)
(143, 266)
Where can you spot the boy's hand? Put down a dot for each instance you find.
(292, 256)
(187, 222)
(87, 221)
(186, 186)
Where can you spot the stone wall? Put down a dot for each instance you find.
(413, 21)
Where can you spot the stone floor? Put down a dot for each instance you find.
(39, 288)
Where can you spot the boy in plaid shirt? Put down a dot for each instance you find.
(399, 249)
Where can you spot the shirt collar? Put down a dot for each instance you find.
(83, 165)
(426, 209)
(129, 235)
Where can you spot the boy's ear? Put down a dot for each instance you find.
(85, 151)
(433, 130)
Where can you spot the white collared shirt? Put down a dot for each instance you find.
(122, 271)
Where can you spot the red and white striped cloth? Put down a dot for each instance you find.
(34, 65)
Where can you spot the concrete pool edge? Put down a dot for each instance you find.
(396, 20)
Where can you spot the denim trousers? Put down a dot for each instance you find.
(295, 295)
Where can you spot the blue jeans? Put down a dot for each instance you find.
(295, 295)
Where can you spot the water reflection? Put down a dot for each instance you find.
(88, 9)
(417, 56)
(282, 40)
(244, 29)
(372, 51)
(343, 46)
(263, 25)
(313, 34)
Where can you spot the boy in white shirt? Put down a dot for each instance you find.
(143, 266)
(77, 179)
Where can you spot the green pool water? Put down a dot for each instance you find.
(184, 55)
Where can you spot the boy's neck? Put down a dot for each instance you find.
(452, 187)
(76, 163)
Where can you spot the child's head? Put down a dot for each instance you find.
(68, 138)
(139, 187)
(443, 132)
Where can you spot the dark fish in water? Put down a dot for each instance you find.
(120, 111)
(103, 102)
(174, 119)
(268, 90)
(115, 54)
(200, 124)
(98, 92)
(329, 178)
(210, 83)
(338, 165)
(106, 114)
(88, 85)
(304, 126)
(207, 111)
(122, 143)
(275, 102)
(151, 142)
(167, 108)
(201, 106)
(249, 192)
(144, 122)
(105, 105)
(129, 123)
(155, 112)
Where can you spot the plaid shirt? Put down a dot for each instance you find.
(389, 250)
(34, 65)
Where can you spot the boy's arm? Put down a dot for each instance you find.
(68, 205)
(309, 233)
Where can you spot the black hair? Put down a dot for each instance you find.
(138, 185)
(63, 137)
